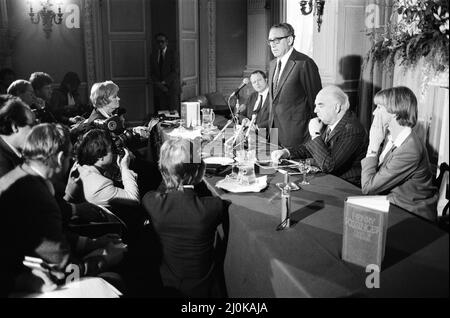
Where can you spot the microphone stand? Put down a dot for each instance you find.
(234, 117)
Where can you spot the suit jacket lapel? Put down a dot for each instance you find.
(344, 120)
(287, 69)
(394, 148)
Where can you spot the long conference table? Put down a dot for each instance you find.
(305, 259)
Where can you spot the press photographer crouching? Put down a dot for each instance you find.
(107, 115)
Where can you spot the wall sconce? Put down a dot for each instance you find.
(47, 15)
(318, 8)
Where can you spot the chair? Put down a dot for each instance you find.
(112, 224)
(443, 219)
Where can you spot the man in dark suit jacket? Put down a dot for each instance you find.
(401, 170)
(16, 120)
(164, 73)
(294, 81)
(258, 102)
(339, 148)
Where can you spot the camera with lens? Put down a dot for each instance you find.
(127, 139)
(122, 137)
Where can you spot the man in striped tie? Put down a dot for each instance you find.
(294, 82)
(338, 141)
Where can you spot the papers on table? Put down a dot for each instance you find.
(218, 161)
(232, 185)
(86, 287)
(186, 133)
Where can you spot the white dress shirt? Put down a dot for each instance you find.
(264, 94)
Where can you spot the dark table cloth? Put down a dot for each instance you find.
(305, 260)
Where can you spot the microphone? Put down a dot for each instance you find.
(236, 134)
(242, 108)
(252, 122)
(222, 131)
(245, 81)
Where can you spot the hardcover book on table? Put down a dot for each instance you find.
(365, 227)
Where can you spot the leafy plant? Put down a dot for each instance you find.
(421, 30)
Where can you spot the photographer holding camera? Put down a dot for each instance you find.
(90, 177)
(107, 115)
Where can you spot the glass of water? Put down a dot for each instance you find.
(305, 167)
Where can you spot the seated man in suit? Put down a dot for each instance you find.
(400, 169)
(22, 89)
(258, 102)
(339, 148)
(42, 85)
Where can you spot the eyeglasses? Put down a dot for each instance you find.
(276, 40)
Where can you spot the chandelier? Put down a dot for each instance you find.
(307, 6)
(46, 15)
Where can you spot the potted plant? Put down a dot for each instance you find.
(419, 29)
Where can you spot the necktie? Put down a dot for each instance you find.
(161, 62)
(387, 148)
(383, 159)
(258, 104)
(327, 134)
(276, 77)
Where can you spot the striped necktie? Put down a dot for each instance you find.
(276, 77)
(327, 134)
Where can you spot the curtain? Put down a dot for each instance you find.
(5, 39)
(374, 76)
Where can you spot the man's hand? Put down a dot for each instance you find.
(279, 154)
(315, 126)
(76, 119)
(124, 162)
(376, 134)
(142, 131)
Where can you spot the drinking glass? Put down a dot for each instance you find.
(208, 117)
(305, 167)
(246, 174)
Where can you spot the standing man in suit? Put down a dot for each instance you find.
(400, 168)
(165, 76)
(338, 140)
(294, 82)
(258, 102)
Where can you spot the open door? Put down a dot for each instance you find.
(189, 48)
(126, 45)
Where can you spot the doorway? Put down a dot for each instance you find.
(126, 34)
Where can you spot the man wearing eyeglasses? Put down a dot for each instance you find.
(165, 75)
(294, 82)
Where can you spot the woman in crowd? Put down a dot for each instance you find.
(400, 169)
(65, 101)
(185, 223)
